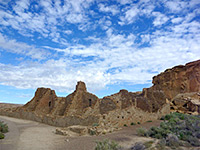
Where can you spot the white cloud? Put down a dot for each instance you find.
(113, 59)
(13, 46)
(130, 15)
(123, 2)
(177, 20)
(176, 6)
(116, 56)
(160, 19)
(112, 9)
(68, 32)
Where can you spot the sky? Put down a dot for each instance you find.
(108, 44)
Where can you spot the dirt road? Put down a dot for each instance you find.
(30, 135)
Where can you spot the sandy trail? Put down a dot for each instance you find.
(30, 135)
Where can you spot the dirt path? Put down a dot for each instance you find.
(30, 135)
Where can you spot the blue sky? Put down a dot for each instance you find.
(108, 44)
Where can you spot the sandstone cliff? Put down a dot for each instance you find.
(179, 79)
(181, 85)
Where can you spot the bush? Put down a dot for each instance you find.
(176, 127)
(193, 141)
(148, 144)
(138, 146)
(106, 145)
(95, 124)
(125, 125)
(172, 141)
(3, 127)
(142, 131)
(1, 135)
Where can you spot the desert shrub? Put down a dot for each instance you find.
(1, 135)
(167, 117)
(148, 144)
(176, 127)
(125, 125)
(106, 145)
(3, 127)
(193, 141)
(138, 122)
(172, 141)
(92, 132)
(141, 131)
(197, 134)
(95, 124)
(138, 146)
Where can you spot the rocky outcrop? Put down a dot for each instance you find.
(186, 103)
(181, 85)
(179, 79)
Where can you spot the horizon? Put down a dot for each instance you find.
(109, 45)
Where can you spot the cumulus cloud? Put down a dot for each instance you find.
(160, 19)
(112, 9)
(95, 49)
(129, 16)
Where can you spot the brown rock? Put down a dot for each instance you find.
(106, 105)
(81, 86)
(179, 79)
(43, 101)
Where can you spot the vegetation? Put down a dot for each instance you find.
(107, 145)
(176, 130)
(141, 131)
(95, 125)
(3, 129)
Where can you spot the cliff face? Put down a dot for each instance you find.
(179, 79)
(181, 85)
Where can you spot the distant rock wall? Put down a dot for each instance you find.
(179, 79)
(181, 85)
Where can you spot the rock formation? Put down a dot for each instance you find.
(84, 108)
(179, 79)
(179, 86)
